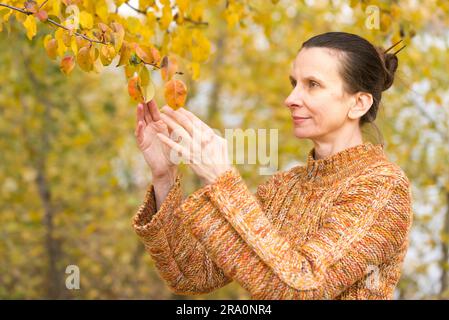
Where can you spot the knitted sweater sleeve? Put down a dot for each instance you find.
(366, 226)
(180, 259)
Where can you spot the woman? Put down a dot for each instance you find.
(335, 228)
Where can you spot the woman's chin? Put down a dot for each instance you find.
(302, 133)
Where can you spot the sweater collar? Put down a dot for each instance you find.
(342, 163)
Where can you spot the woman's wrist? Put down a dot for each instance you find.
(162, 185)
(166, 177)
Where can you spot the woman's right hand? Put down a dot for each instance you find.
(155, 152)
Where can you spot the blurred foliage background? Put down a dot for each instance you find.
(71, 176)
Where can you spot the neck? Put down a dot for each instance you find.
(330, 145)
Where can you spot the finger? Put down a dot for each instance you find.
(197, 121)
(161, 127)
(182, 119)
(146, 113)
(139, 131)
(154, 111)
(174, 126)
(139, 113)
(173, 145)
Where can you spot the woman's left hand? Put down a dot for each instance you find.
(196, 143)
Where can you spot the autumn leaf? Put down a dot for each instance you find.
(31, 6)
(107, 54)
(169, 66)
(118, 35)
(51, 46)
(148, 54)
(86, 20)
(67, 64)
(30, 26)
(85, 59)
(42, 15)
(135, 89)
(175, 93)
(144, 75)
(81, 42)
(125, 54)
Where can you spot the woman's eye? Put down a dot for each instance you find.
(293, 83)
(313, 84)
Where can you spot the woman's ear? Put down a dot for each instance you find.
(362, 103)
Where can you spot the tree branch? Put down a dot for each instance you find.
(51, 21)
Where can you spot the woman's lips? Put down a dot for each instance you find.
(299, 119)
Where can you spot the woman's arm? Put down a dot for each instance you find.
(180, 259)
(162, 187)
(367, 226)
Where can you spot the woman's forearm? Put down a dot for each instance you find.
(162, 186)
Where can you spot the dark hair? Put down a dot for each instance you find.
(364, 67)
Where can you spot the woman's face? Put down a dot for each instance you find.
(318, 94)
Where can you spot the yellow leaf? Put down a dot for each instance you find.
(195, 68)
(183, 5)
(55, 7)
(5, 14)
(125, 54)
(30, 26)
(150, 91)
(107, 54)
(101, 9)
(85, 59)
(144, 76)
(200, 46)
(166, 18)
(130, 69)
(59, 35)
(86, 20)
(118, 35)
(197, 12)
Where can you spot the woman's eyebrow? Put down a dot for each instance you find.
(313, 78)
(306, 78)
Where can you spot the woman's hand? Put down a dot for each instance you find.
(204, 151)
(155, 152)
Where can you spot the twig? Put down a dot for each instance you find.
(51, 21)
(135, 9)
(14, 8)
(43, 4)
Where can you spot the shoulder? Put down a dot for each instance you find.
(386, 171)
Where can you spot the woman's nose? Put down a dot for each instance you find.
(294, 98)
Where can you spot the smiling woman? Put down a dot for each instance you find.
(335, 228)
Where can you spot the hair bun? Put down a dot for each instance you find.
(391, 65)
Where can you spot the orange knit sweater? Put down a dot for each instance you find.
(334, 228)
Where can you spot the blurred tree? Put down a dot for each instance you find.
(60, 125)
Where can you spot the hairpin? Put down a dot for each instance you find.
(395, 46)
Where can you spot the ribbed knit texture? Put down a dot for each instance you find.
(334, 228)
